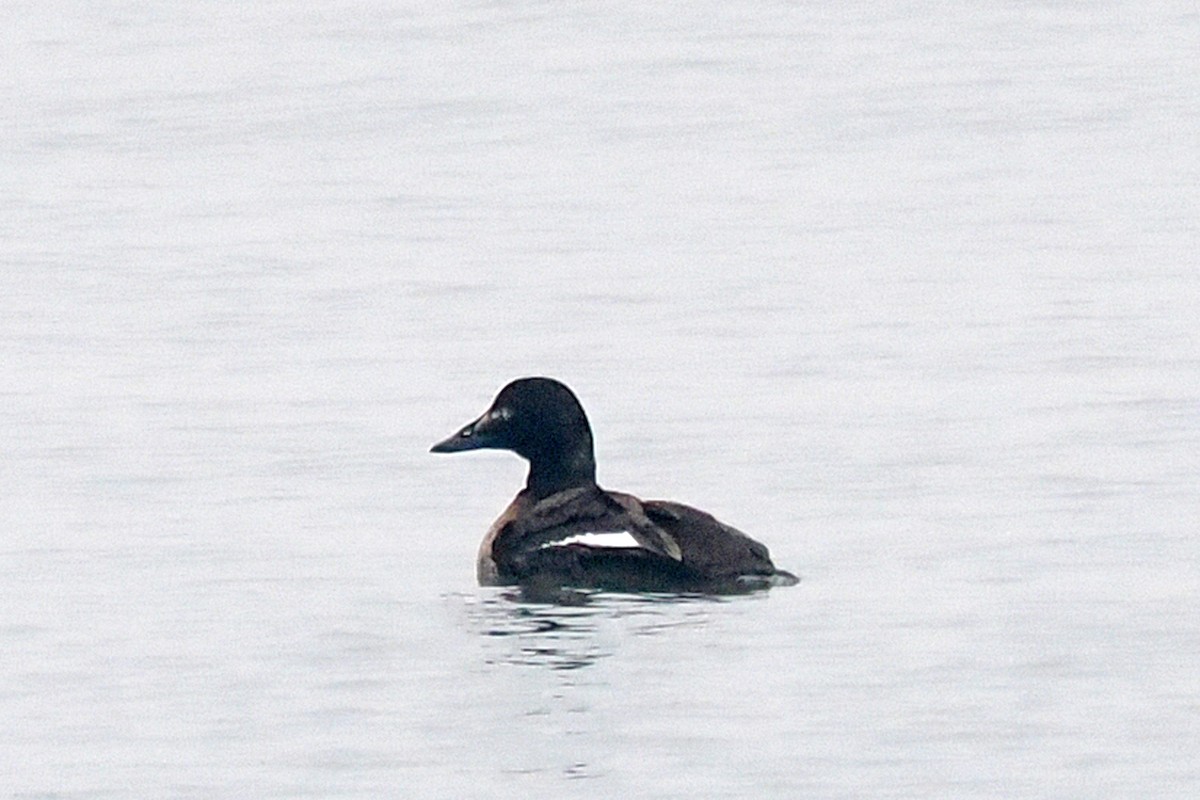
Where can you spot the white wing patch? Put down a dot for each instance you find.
(608, 539)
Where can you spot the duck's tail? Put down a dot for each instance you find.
(779, 577)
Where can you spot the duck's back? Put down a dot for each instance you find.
(530, 525)
(708, 545)
(680, 548)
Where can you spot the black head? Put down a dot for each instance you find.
(541, 420)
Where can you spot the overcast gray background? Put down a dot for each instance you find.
(908, 291)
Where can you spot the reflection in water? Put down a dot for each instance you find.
(572, 633)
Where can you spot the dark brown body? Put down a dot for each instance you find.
(682, 548)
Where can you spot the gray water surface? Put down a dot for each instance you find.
(907, 291)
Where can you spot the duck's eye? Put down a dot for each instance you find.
(501, 414)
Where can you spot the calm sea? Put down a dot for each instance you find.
(907, 290)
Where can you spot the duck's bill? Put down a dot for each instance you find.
(469, 437)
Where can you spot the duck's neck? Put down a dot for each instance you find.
(548, 475)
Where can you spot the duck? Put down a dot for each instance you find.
(563, 530)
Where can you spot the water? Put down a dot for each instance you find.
(906, 291)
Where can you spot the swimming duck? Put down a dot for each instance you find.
(550, 534)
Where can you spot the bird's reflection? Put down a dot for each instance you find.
(574, 629)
